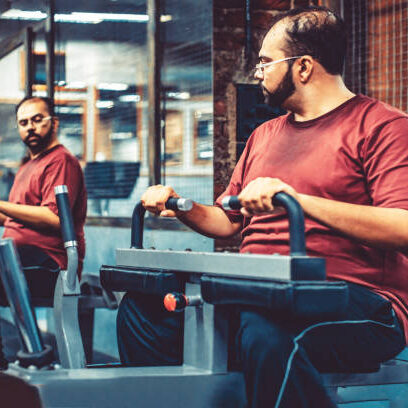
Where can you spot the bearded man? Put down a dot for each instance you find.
(30, 216)
(344, 157)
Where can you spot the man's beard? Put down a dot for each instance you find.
(285, 89)
(36, 143)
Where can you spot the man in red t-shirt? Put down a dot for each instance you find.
(344, 157)
(30, 216)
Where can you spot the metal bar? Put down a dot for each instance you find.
(11, 43)
(154, 85)
(29, 61)
(221, 264)
(16, 288)
(50, 57)
(248, 34)
(67, 332)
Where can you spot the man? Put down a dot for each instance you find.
(30, 216)
(344, 158)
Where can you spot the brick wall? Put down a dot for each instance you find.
(378, 49)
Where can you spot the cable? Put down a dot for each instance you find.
(299, 337)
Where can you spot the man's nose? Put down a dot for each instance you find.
(258, 74)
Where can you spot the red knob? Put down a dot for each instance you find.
(175, 302)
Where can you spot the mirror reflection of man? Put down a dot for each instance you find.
(344, 158)
(30, 216)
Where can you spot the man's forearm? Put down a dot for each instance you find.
(209, 220)
(374, 226)
(34, 216)
(2, 219)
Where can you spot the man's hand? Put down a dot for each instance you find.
(155, 197)
(256, 197)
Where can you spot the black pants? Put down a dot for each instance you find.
(41, 273)
(368, 333)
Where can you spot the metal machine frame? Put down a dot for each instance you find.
(202, 381)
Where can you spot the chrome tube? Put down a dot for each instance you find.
(16, 288)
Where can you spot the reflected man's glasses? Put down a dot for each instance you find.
(37, 119)
(260, 67)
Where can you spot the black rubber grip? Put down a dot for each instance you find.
(136, 235)
(296, 219)
(65, 215)
(234, 203)
(171, 204)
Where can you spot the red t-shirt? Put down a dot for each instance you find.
(357, 153)
(34, 185)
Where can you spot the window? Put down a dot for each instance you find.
(101, 73)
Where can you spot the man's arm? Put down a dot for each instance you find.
(207, 220)
(31, 215)
(374, 226)
(2, 219)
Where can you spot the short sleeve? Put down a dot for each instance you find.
(385, 164)
(235, 185)
(60, 172)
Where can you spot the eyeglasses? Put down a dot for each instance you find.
(260, 67)
(36, 120)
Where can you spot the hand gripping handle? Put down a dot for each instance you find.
(173, 203)
(295, 214)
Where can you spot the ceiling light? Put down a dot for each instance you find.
(75, 85)
(140, 18)
(129, 98)
(104, 104)
(80, 17)
(178, 95)
(112, 86)
(14, 14)
(166, 18)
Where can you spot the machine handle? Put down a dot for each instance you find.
(175, 204)
(68, 236)
(64, 210)
(295, 214)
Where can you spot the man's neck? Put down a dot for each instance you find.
(319, 99)
(49, 147)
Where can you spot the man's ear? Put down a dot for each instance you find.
(55, 124)
(305, 66)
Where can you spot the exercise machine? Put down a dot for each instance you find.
(293, 284)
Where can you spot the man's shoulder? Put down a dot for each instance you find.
(271, 125)
(61, 155)
(378, 112)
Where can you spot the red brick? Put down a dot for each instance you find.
(220, 108)
(271, 5)
(262, 19)
(228, 40)
(229, 18)
(224, 4)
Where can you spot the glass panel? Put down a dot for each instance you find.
(12, 149)
(188, 103)
(102, 98)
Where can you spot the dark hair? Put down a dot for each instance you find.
(316, 31)
(47, 101)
